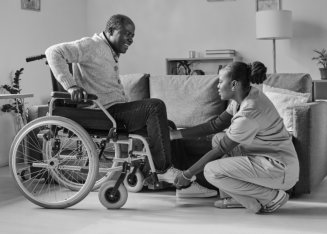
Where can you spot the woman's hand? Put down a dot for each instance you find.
(182, 181)
(175, 134)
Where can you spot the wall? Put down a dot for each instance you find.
(171, 28)
(24, 33)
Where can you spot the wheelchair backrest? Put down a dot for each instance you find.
(56, 86)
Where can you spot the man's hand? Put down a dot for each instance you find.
(77, 94)
(181, 181)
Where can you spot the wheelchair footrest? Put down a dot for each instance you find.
(159, 185)
(151, 182)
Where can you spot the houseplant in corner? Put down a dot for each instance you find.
(10, 116)
(322, 60)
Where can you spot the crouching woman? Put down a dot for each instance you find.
(254, 161)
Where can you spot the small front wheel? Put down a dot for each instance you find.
(109, 200)
(134, 182)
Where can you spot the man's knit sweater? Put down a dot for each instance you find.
(95, 68)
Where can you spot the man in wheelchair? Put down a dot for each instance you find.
(95, 64)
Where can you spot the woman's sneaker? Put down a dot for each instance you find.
(227, 203)
(169, 176)
(280, 199)
(195, 190)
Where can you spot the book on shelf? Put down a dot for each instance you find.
(220, 55)
(221, 51)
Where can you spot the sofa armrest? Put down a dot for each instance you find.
(310, 141)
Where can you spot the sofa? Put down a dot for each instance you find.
(191, 100)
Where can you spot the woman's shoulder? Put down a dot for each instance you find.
(255, 104)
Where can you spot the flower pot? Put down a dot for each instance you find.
(9, 127)
(323, 73)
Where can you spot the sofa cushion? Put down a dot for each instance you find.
(285, 100)
(190, 100)
(136, 86)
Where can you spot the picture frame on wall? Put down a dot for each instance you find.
(263, 5)
(34, 5)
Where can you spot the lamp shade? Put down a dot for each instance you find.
(274, 24)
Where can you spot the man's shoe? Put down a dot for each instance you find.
(280, 199)
(169, 176)
(226, 203)
(195, 190)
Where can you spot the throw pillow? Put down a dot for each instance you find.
(285, 100)
(136, 86)
(190, 99)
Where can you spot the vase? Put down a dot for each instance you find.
(323, 73)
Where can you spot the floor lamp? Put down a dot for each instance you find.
(274, 25)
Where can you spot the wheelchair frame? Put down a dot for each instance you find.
(69, 167)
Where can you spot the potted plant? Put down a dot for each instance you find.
(322, 60)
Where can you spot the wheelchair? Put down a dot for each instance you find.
(58, 159)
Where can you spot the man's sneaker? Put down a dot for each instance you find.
(195, 190)
(280, 199)
(226, 203)
(169, 176)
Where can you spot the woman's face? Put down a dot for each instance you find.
(225, 85)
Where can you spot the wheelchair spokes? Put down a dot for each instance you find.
(52, 162)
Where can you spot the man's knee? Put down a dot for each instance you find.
(157, 105)
(216, 139)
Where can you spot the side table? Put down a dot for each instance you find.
(18, 96)
(319, 90)
(7, 137)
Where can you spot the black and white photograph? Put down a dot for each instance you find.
(163, 117)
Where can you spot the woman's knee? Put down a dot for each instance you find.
(212, 171)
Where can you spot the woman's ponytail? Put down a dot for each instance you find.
(257, 72)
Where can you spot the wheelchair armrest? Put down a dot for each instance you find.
(65, 95)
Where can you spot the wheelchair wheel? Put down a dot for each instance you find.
(52, 160)
(115, 201)
(134, 183)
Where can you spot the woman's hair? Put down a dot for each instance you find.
(117, 21)
(247, 73)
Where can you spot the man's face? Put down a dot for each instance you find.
(122, 38)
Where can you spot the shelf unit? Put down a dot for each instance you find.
(209, 65)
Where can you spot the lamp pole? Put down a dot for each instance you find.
(274, 55)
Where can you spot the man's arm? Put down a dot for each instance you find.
(58, 57)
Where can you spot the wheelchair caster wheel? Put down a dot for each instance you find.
(134, 183)
(110, 201)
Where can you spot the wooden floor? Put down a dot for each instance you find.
(157, 212)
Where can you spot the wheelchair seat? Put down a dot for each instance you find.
(93, 120)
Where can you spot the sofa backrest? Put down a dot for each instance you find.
(194, 99)
(297, 82)
(190, 100)
(136, 85)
